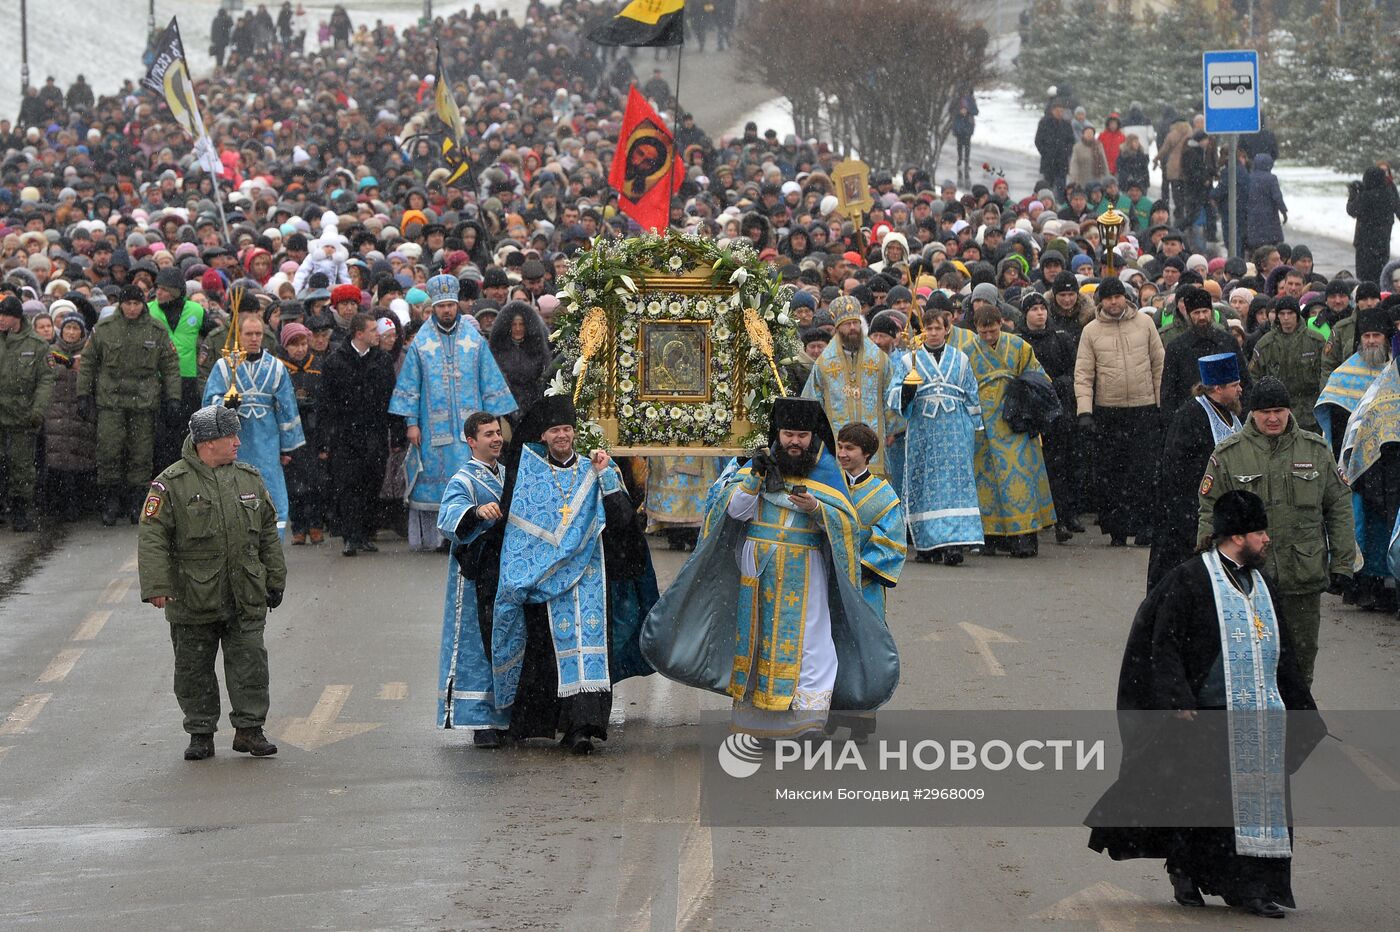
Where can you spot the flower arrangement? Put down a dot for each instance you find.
(613, 274)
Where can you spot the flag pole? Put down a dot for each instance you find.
(676, 124)
(219, 203)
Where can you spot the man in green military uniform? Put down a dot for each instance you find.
(128, 366)
(26, 382)
(1309, 507)
(1292, 353)
(209, 555)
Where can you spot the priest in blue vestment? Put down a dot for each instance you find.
(471, 518)
(448, 372)
(1206, 678)
(576, 580)
(267, 409)
(769, 609)
(944, 414)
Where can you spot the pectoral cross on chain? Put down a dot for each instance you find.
(1261, 632)
(565, 511)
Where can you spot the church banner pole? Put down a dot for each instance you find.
(676, 124)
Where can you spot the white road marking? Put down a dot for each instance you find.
(61, 665)
(984, 638)
(92, 625)
(116, 591)
(24, 714)
(393, 691)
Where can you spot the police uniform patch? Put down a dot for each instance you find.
(152, 505)
(157, 484)
(247, 496)
(1207, 482)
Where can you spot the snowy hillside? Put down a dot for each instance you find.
(104, 40)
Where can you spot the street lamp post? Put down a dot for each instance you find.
(24, 46)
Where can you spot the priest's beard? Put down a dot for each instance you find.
(852, 342)
(1252, 558)
(1374, 356)
(793, 462)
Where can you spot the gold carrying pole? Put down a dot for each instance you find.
(233, 351)
(592, 334)
(913, 378)
(760, 337)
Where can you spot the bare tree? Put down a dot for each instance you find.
(877, 76)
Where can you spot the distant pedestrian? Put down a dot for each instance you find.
(1373, 202)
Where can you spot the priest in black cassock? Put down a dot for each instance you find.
(1210, 415)
(1207, 640)
(576, 580)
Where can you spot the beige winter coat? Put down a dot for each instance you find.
(1119, 363)
(1172, 149)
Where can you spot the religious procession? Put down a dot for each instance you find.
(453, 383)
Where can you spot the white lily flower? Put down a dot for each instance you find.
(784, 319)
(631, 285)
(578, 366)
(740, 276)
(556, 384)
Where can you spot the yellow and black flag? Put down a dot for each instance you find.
(450, 135)
(644, 23)
(454, 132)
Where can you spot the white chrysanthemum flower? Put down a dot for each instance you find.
(651, 414)
(628, 410)
(676, 263)
(624, 385)
(676, 309)
(654, 307)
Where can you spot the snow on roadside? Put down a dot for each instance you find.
(72, 37)
(1316, 197)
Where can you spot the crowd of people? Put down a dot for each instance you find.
(976, 368)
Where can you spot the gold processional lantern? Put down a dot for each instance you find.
(233, 351)
(1110, 224)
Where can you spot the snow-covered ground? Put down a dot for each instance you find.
(103, 39)
(1316, 197)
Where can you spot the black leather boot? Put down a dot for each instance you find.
(952, 556)
(1266, 908)
(253, 741)
(1185, 891)
(201, 747)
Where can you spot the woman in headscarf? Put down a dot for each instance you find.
(70, 440)
(520, 344)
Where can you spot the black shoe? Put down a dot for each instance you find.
(1023, 546)
(111, 508)
(1266, 908)
(368, 546)
(928, 556)
(1063, 534)
(201, 747)
(952, 556)
(1185, 891)
(1364, 593)
(486, 738)
(1074, 525)
(350, 549)
(253, 741)
(578, 744)
(1118, 541)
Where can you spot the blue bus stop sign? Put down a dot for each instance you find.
(1230, 86)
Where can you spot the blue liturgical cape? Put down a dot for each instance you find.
(271, 424)
(466, 697)
(445, 378)
(690, 634)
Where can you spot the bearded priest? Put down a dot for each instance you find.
(769, 610)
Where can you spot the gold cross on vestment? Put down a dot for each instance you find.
(791, 599)
(565, 511)
(1260, 632)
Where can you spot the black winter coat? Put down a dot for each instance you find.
(354, 400)
(1180, 373)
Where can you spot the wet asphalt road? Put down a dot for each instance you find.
(370, 818)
